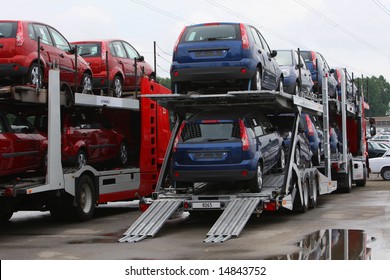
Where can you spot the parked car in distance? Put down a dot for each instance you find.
(120, 56)
(221, 146)
(303, 154)
(375, 150)
(19, 61)
(318, 68)
(314, 135)
(384, 145)
(22, 148)
(86, 138)
(223, 56)
(296, 75)
(381, 137)
(381, 165)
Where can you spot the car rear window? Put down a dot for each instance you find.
(90, 49)
(217, 32)
(210, 131)
(284, 58)
(8, 29)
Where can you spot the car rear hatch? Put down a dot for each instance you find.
(8, 31)
(209, 142)
(209, 42)
(92, 53)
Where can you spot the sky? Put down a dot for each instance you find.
(349, 34)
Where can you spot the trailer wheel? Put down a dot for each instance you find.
(314, 193)
(85, 198)
(385, 173)
(256, 184)
(346, 181)
(362, 183)
(6, 212)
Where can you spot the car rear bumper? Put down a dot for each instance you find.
(208, 72)
(213, 175)
(12, 70)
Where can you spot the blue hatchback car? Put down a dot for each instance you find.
(220, 146)
(297, 77)
(223, 56)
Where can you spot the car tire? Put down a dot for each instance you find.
(117, 87)
(385, 173)
(86, 84)
(280, 86)
(282, 159)
(256, 184)
(81, 159)
(317, 157)
(34, 75)
(256, 82)
(123, 154)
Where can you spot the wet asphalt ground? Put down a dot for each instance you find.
(355, 225)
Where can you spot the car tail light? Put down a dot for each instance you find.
(19, 35)
(244, 136)
(244, 37)
(178, 40)
(104, 51)
(270, 206)
(176, 142)
(310, 127)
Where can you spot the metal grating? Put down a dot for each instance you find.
(233, 219)
(150, 222)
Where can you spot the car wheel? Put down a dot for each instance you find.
(297, 156)
(282, 159)
(297, 90)
(123, 154)
(117, 87)
(280, 86)
(34, 75)
(256, 184)
(317, 157)
(81, 159)
(256, 83)
(69, 97)
(385, 173)
(86, 84)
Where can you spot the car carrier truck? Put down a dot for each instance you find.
(293, 188)
(74, 193)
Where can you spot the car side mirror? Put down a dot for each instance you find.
(331, 71)
(141, 58)
(274, 53)
(299, 65)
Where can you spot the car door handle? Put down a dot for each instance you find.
(259, 51)
(42, 48)
(120, 62)
(62, 55)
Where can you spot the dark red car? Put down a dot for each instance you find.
(21, 63)
(86, 138)
(22, 148)
(120, 57)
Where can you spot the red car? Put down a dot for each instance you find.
(22, 148)
(86, 138)
(21, 63)
(120, 57)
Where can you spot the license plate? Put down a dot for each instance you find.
(206, 205)
(209, 53)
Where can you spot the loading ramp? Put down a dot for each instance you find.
(150, 222)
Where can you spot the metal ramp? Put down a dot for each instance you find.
(150, 222)
(233, 219)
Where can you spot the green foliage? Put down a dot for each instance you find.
(166, 82)
(378, 95)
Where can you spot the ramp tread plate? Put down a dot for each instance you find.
(148, 224)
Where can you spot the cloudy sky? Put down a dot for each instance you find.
(351, 34)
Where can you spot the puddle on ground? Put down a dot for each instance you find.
(333, 244)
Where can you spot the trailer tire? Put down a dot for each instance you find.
(385, 173)
(85, 198)
(256, 184)
(346, 181)
(362, 183)
(300, 204)
(6, 211)
(314, 193)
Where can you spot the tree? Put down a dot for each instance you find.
(166, 82)
(377, 93)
